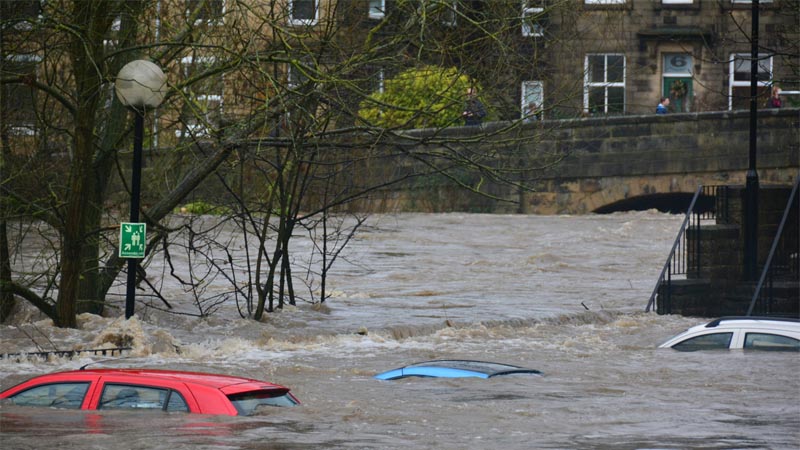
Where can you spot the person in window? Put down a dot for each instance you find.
(775, 98)
(662, 105)
(474, 112)
(531, 113)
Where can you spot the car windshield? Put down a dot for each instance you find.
(713, 341)
(248, 403)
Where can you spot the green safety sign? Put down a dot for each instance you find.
(132, 239)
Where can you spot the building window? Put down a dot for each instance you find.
(739, 76)
(297, 75)
(210, 11)
(677, 2)
(204, 95)
(303, 12)
(377, 81)
(448, 12)
(113, 34)
(605, 2)
(604, 84)
(377, 9)
(532, 97)
(531, 18)
(21, 14)
(19, 99)
(749, 1)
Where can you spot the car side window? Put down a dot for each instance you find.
(125, 396)
(58, 395)
(714, 341)
(774, 342)
(176, 402)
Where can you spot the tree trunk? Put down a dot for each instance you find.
(82, 184)
(6, 297)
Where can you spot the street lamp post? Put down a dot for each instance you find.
(140, 85)
(751, 180)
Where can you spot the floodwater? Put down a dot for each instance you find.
(561, 294)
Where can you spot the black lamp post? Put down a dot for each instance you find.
(140, 85)
(751, 181)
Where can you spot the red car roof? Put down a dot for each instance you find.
(209, 379)
(216, 381)
(207, 393)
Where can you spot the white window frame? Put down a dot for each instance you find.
(377, 9)
(25, 26)
(747, 2)
(211, 21)
(450, 14)
(604, 2)
(588, 84)
(24, 129)
(527, 88)
(381, 81)
(290, 81)
(677, 2)
(116, 25)
(304, 22)
(732, 83)
(527, 10)
(200, 129)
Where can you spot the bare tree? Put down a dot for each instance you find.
(260, 92)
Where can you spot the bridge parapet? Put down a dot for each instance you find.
(593, 164)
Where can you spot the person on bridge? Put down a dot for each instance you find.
(662, 105)
(775, 98)
(474, 112)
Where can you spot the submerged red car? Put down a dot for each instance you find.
(146, 389)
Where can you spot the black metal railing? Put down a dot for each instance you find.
(68, 353)
(685, 256)
(782, 263)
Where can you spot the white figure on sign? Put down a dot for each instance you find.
(135, 239)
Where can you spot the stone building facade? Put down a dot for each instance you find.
(568, 58)
(612, 57)
(697, 53)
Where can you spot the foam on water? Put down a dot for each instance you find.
(563, 295)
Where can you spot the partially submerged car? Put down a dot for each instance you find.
(747, 332)
(146, 389)
(455, 368)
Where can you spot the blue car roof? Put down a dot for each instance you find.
(454, 369)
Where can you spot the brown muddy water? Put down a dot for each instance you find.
(561, 294)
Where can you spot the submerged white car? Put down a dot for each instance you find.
(748, 332)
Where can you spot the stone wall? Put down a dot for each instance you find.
(597, 162)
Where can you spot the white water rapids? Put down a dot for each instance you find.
(561, 294)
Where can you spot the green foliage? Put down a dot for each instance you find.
(423, 97)
(203, 208)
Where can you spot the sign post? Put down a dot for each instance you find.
(132, 237)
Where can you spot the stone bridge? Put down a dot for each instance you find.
(637, 162)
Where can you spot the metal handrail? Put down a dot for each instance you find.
(675, 246)
(68, 353)
(778, 235)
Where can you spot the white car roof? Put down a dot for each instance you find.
(778, 325)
